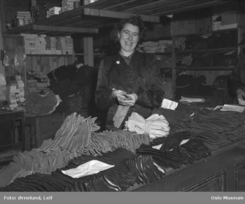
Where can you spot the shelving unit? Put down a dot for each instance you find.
(241, 47)
(80, 20)
(205, 51)
(88, 19)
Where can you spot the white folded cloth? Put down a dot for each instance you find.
(88, 168)
(155, 125)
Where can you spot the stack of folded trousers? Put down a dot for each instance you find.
(173, 154)
(129, 169)
(217, 128)
(178, 119)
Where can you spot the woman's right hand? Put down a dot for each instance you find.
(118, 93)
(240, 97)
(123, 98)
(129, 100)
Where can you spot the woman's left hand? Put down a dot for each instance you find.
(128, 100)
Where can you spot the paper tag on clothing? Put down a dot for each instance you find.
(235, 108)
(88, 168)
(168, 104)
(157, 146)
(191, 100)
(183, 142)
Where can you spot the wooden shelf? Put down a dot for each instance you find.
(79, 20)
(49, 55)
(163, 53)
(51, 30)
(206, 33)
(205, 68)
(207, 50)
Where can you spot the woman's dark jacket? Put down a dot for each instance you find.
(142, 76)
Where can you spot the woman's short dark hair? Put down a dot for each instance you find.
(134, 20)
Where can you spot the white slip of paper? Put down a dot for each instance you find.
(88, 168)
(235, 108)
(168, 104)
(191, 100)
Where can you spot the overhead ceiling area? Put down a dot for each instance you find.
(104, 13)
(24, 4)
(146, 7)
(154, 7)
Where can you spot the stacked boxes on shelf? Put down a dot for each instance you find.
(37, 82)
(222, 20)
(85, 2)
(16, 93)
(29, 43)
(53, 11)
(42, 44)
(39, 12)
(53, 42)
(43, 86)
(35, 86)
(23, 18)
(68, 5)
(69, 44)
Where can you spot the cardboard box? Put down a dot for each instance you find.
(54, 10)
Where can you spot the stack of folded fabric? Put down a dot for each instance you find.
(134, 170)
(110, 140)
(217, 128)
(155, 125)
(128, 170)
(77, 136)
(172, 141)
(171, 159)
(176, 150)
(178, 119)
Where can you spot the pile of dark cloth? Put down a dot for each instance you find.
(129, 169)
(217, 128)
(173, 152)
(75, 86)
(222, 93)
(188, 85)
(178, 119)
(217, 94)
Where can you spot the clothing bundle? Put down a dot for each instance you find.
(110, 140)
(178, 119)
(188, 85)
(77, 136)
(135, 170)
(217, 128)
(176, 150)
(75, 86)
(155, 125)
(128, 170)
(41, 104)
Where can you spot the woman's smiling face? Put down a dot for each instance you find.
(128, 38)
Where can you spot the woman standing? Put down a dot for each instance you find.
(129, 81)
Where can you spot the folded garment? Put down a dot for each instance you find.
(155, 125)
(9, 173)
(88, 168)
